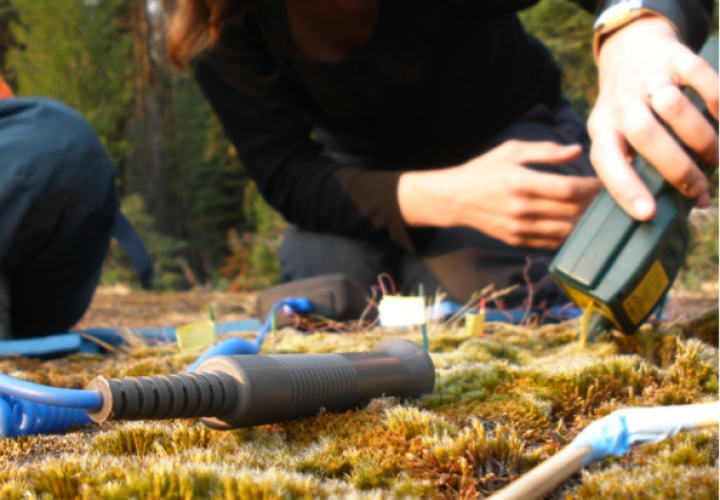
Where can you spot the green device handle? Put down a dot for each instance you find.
(229, 392)
(620, 267)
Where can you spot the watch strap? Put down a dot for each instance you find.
(690, 19)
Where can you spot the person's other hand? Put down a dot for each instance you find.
(497, 194)
(646, 57)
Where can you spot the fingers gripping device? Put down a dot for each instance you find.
(618, 269)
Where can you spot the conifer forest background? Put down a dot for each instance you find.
(178, 176)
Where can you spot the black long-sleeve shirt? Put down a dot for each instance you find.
(436, 79)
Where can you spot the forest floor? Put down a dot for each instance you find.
(503, 402)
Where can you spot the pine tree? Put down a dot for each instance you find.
(566, 30)
(76, 51)
(9, 19)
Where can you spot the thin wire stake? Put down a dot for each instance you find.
(272, 320)
(426, 343)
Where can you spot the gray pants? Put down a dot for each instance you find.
(458, 260)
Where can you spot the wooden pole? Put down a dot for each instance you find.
(547, 476)
(707, 415)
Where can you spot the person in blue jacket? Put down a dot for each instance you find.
(57, 211)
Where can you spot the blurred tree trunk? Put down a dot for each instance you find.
(106, 59)
(147, 171)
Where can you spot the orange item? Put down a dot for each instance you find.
(5, 92)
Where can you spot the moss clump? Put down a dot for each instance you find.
(704, 328)
(13, 490)
(164, 482)
(656, 346)
(61, 481)
(466, 383)
(502, 404)
(12, 450)
(328, 459)
(471, 462)
(134, 439)
(667, 483)
(415, 422)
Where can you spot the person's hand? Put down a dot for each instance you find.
(646, 57)
(496, 194)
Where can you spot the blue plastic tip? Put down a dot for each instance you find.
(298, 304)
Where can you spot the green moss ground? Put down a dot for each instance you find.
(502, 404)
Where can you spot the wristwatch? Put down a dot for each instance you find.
(690, 19)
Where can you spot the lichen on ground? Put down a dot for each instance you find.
(502, 404)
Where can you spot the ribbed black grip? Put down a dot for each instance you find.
(282, 387)
(228, 392)
(326, 380)
(186, 395)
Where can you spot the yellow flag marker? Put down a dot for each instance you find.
(196, 336)
(402, 311)
(475, 324)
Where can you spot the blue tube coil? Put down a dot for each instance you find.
(22, 418)
(27, 408)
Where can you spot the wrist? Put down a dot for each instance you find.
(425, 198)
(690, 19)
(645, 21)
(615, 42)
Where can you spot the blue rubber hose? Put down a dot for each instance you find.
(36, 393)
(225, 348)
(27, 408)
(22, 418)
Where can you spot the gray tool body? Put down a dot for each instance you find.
(229, 392)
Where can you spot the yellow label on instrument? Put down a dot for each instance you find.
(647, 294)
(583, 300)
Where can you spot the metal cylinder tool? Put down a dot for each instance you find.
(229, 392)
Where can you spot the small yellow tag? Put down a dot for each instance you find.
(475, 323)
(402, 311)
(196, 336)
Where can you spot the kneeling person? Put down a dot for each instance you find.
(57, 208)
